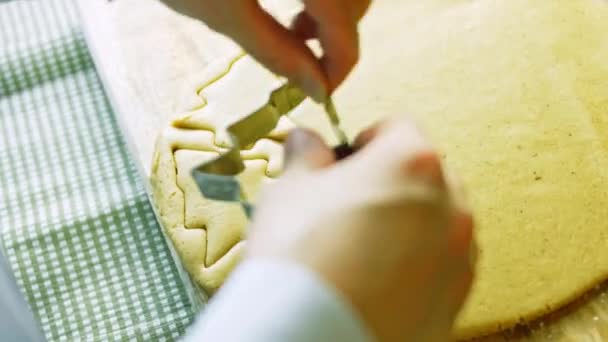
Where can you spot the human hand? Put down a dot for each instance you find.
(381, 226)
(283, 50)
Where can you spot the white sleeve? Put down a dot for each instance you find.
(266, 301)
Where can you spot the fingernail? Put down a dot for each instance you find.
(294, 145)
(426, 166)
(304, 146)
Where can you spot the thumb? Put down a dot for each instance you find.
(305, 149)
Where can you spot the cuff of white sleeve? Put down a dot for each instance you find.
(267, 300)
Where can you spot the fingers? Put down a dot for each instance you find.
(389, 146)
(282, 51)
(304, 26)
(460, 238)
(427, 167)
(453, 278)
(358, 8)
(366, 136)
(335, 25)
(399, 165)
(460, 261)
(285, 51)
(456, 294)
(464, 224)
(306, 150)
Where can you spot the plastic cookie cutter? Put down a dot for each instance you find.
(217, 180)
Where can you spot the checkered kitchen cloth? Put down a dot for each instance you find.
(75, 222)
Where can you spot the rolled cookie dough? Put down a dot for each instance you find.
(207, 234)
(515, 95)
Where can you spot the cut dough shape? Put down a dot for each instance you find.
(223, 222)
(226, 99)
(514, 94)
(206, 234)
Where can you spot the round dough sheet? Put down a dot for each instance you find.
(514, 94)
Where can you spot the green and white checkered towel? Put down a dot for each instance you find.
(75, 221)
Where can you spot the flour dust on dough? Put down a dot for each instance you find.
(515, 96)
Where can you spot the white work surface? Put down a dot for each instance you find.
(150, 59)
(147, 57)
(134, 45)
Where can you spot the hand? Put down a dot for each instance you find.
(381, 226)
(283, 50)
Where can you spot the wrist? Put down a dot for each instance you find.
(276, 300)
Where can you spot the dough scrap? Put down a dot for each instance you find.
(514, 94)
(225, 98)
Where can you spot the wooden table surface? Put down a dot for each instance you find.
(151, 60)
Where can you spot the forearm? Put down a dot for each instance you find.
(275, 301)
